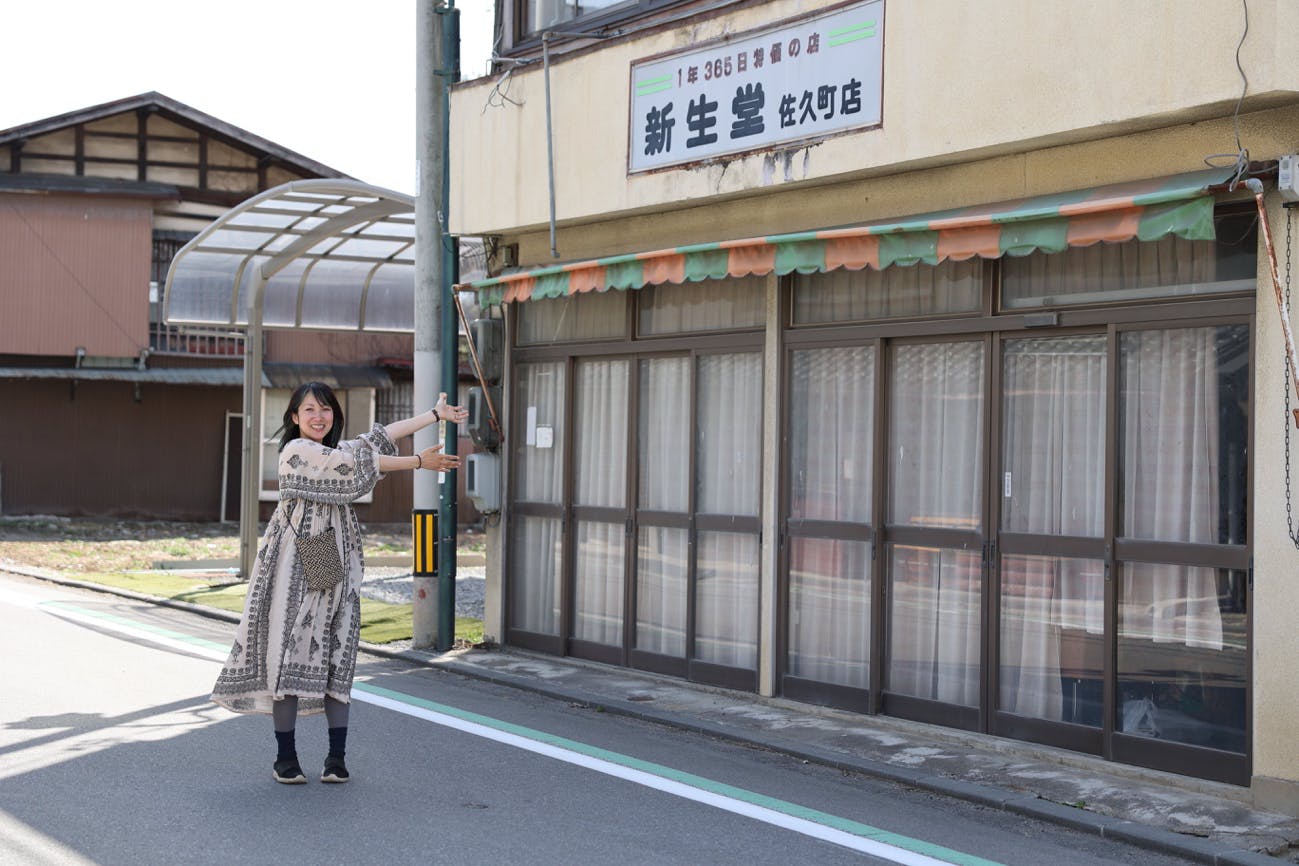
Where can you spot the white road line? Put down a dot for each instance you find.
(788, 816)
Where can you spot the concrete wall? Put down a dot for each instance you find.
(962, 82)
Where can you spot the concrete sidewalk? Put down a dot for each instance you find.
(1204, 822)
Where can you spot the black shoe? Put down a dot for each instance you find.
(335, 771)
(287, 772)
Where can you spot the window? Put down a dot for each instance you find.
(534, 17)
(893, 293)
(358, 413)
(1136, 270)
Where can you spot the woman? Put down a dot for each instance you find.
(295, 648)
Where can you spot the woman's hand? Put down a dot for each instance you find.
(432, 458)
(454, 414)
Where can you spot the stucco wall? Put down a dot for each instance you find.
(962, 82)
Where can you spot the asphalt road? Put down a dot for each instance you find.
(110, 753)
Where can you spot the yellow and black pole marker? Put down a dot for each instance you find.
(424, 532)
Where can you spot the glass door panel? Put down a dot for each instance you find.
(933, 631)
(832, 395)
(598, 583)
(1183, 655)
(726, 599)
(728, 474)
(1053, 436)
(936, 435)
(1052, 638)
(830, 611)
(663, 506)
(662, 564)
(600, 500)
(1051, 614)
(935, 502)
(538, 554)
(537, 545)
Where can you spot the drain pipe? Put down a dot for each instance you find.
(550, 134)
(550, 139)
(1255, 186)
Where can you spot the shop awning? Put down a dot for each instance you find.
(1180, 205)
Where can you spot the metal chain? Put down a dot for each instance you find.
(1289, 507)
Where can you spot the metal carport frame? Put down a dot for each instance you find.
(320, 254)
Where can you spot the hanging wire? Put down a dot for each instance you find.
(1240, 159)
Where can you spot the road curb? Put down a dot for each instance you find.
(990, 796)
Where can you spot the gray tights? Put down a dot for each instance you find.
(284, 713)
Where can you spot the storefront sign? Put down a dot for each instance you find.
(788, 83)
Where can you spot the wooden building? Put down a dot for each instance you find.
(107, 410)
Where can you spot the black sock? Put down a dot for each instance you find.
(337, 742)
(288, 747)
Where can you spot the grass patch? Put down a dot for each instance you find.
(381, 622)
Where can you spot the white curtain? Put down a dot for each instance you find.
(600, 462)
(538, 433)
(729, 434)
(1169, 449)
(936, 435)
(726, 599)
(832, 417)
(936, 456)
(538, 463)
(728, 482)
(917, 290)
(661, 568)
(1111, 272)
(536, 568)
(706, 305)
(1053, 475)
(934, 624)
(830, 610)
(661, 562)
(832, 424)
(589, 316)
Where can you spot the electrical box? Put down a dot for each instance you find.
(1287, 178)
(489, 342)
(483, 481)
(481, 431)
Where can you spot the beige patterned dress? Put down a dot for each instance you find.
(291, 640)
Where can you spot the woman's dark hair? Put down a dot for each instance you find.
(323, 394)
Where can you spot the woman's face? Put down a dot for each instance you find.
(314, 418)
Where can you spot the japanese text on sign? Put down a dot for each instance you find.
(799, 81)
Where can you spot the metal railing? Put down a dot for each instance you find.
(184, 340)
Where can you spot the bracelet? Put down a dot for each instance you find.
(436, 417)
(421, 462)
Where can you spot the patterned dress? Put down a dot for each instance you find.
(291, 640)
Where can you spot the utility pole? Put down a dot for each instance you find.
(437, 62)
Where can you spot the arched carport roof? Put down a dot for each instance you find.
(332, 254)
(320, 254)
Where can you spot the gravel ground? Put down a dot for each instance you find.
(395, 585)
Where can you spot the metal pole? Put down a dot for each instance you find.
(450, 73)
(429, 121)
(250, 480)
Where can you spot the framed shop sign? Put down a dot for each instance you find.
(795, 81)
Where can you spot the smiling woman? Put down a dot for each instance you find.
(295, 647)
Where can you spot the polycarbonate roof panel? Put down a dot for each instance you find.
(334, 254)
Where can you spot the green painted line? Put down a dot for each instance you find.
(138, 626)
(844, 40)
(851, 28)
(653, 85)
(845, 825)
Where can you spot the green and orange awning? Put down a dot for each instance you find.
(1180, 205)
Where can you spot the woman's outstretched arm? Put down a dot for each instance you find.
(440, 412)
(429, 458)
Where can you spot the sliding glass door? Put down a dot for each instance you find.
(934, 531)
